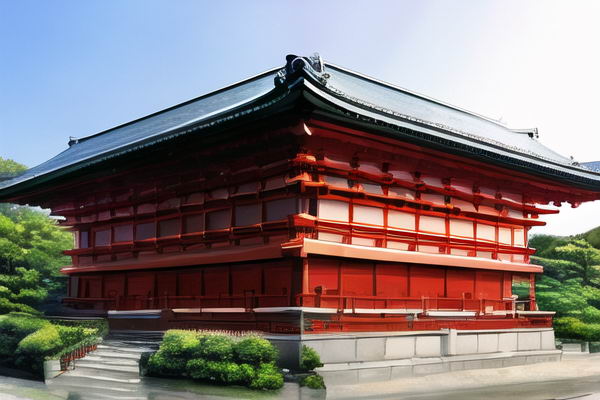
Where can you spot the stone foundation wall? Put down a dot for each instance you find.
(378, 356)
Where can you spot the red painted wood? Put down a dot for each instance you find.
(460, 282)
(427, 281)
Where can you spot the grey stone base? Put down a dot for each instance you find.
(378, 356)
(377, 371)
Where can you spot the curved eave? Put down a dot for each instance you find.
(427, 136)
(276, 98)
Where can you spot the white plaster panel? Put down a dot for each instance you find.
(486, 232)
(466, 344)
(333, 210)
(461, 227)
(428, 346)
(401, 220)
(368, 215)
(400, 347)
(432, 224)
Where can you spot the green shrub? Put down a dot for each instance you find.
(309, 359)
(591, 315)
(254, 350)
(7, 306)
(162, 364)
(222, 372)
(267, 377)
(313, 382)
(71, 335)
(35, 347)
(248, 373)
(215, 347)
(44, 341)
(197, 369)
(99, 324)
(179, 343)
(20, 325)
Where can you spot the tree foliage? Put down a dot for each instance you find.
(31, 246)
(11, 167)
(570, 284)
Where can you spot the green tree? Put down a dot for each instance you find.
(584, 254)
(31, 246)
(11, 167)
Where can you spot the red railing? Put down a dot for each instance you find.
(66, 359)
(341, 302)
(247, 301)
(250, 301)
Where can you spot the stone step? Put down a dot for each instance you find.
(124, 349)
(79, 374)
(116, 354)
(93, 359)
(112, 368)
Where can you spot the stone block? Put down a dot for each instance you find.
(434, 368)
(548, 340)
(487, 343)
(466, 344)
(401, 371)
(492, 363)
(507, 341)
(51, 369)
(341, 377)
(512, 361)
(542, 358)
(400, 347)
(334, 350)
(374, 374)
(473, 364)
(370, 349)
(428, 346)
(529, 341)
(457, 366)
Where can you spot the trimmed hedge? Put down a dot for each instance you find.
(27, 340)
(217, 358)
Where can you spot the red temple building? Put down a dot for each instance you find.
(313, 200)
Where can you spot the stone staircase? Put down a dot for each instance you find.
(110, 372)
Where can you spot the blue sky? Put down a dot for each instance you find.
(74, 68)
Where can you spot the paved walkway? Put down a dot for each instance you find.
(577, 376)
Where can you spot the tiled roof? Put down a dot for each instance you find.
(415, 117)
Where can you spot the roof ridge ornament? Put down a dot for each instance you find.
(295, 65)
